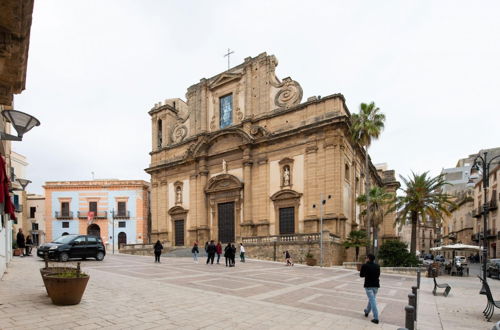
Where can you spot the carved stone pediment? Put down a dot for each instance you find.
(225, 78)
(177, 210)
(285, 194)
(223, 182)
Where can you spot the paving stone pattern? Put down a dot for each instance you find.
(132, 292)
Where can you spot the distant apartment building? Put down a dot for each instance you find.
(465, 224)
(115, 210)
(493, 224)
(35, 213)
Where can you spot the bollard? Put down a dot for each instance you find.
(418, 278)
(415, 292)
(409, 319)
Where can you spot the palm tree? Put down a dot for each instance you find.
(356, 239)
(422, 199)
(367, 125)
(378, 198)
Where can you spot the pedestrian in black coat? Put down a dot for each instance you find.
(227, 254)
(233, 254)
(158, 247)
(211, 249)
(29, 244)
(20, 240)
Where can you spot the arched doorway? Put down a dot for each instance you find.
(64, 234)
(94, 230)
(122, 239)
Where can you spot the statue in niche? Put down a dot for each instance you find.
(224, 166)
(178, 195)
(286, 176)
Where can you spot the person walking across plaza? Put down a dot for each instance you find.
(195, 252)
(29, 244)
(288, 258)
(218, 250)
(158, 247)
(233, 255)
(227, 254)
(242, 253)
(21, 243)
(211, 252)
(371, 272)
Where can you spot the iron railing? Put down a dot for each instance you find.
(121, 215)
(97, 215)
(64, 215)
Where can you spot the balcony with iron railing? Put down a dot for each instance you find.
(121, 215)
(97, 215)
(64, 215)
(18, 208)
(493, 204)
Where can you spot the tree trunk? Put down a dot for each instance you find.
(357, 253)
(375, 238)
(367, 193)
(413, 244)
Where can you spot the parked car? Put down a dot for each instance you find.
(493, 268)
(461, 259)
(440, 258)
(73, 246)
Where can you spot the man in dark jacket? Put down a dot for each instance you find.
(371, 272)
(20, 240)
(211, 249)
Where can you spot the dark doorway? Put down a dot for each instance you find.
(179, 232)
(287, 220)
(226, 222)
(122, 239)
(94, 230)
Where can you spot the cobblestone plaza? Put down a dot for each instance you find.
(131, 292)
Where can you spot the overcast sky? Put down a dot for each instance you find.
(97, 67)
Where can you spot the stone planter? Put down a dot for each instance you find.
(17, 252)
(65, 291)
(52, 270)
(311, 261)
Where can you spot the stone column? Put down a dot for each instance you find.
(247, 190)
(202, 222)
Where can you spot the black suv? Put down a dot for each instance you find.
(73, 246)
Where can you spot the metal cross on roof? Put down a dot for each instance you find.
(229, 52)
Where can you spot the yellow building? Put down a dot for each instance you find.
(244, 159)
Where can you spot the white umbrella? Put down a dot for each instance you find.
(457, 247)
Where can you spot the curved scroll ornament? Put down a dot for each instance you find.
(290, 93)
(179, 133)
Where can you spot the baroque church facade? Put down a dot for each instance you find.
(245, 157)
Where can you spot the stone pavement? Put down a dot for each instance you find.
(132, 292)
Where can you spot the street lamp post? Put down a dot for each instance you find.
(321, 203)
(482, 163)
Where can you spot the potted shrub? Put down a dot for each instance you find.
(310, 261)
(66, 287)
(53, 270)
(16, 252)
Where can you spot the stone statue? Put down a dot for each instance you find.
(224, 166)
(178, 195)
(286, 176)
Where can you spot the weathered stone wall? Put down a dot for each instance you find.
(333, 253)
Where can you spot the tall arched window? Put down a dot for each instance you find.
(160, 133)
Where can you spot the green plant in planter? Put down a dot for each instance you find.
(356, 239)
(395, 254)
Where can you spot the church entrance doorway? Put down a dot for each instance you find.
(94, 230)
(226, 222)
(287, 220)
(179, 232)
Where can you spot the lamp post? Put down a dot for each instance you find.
(22, 123)
(482, 163)
(321, 203)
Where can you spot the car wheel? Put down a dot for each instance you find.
(99, 256)
(63, 257)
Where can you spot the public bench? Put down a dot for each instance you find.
(490, 306)
(444, 286)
